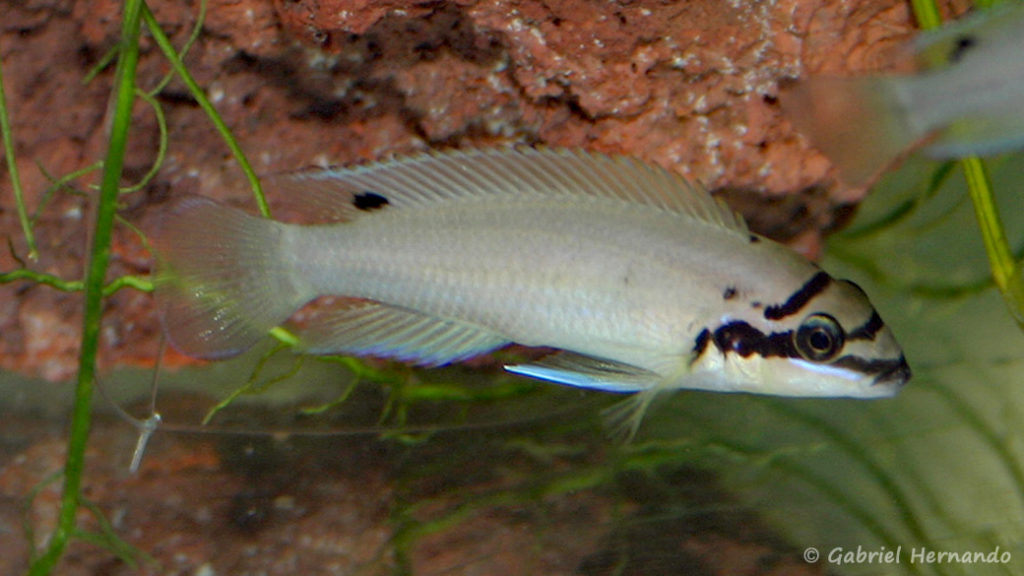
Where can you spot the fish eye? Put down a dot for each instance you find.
(819, 338)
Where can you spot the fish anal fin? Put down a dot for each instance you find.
(368, 328)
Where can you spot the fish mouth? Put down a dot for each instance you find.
(892, 372)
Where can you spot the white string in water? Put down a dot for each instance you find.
(148, 426)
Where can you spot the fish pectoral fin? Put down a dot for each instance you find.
(367, 328)
(583, 371)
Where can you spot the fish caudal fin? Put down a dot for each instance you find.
(858, 123)
(221, 281)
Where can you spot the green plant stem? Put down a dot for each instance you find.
(12, 169)
(141, 284)
(95, 274)
(161, 122)
(179, 67)
(196, 31)
(1005, 271)
(926, 13)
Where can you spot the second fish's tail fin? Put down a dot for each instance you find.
(859, 123)
(222, 282)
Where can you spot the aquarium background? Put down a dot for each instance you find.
(332, 466)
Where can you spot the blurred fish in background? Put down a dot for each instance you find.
(968, 99)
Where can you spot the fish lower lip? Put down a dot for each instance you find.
(899, 374)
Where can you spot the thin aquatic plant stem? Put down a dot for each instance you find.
(96, 270)
(197, 29)
(1005, 270)
(12, 169)
(139, 283)
(197, 92)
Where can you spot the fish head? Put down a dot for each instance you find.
(835, 345)
(842, 347)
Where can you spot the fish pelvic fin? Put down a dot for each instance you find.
(859, 123)
(583, 371)
(623, 418)
(221, 281)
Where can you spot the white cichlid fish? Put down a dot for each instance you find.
(968, 100)
(644, 282)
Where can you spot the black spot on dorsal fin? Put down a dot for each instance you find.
(368, 201)
(961, 46)
(729, 293)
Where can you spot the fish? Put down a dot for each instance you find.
(641, 281)
(965, 100)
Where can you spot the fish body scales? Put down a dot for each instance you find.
(596, 275)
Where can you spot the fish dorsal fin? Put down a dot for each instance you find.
(366, 328)
(426, 179)
(583, 371)
(944, 46)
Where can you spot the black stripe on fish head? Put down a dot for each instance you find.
(869, 329)
(800, 298)
(369, 201)
(874, 324)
